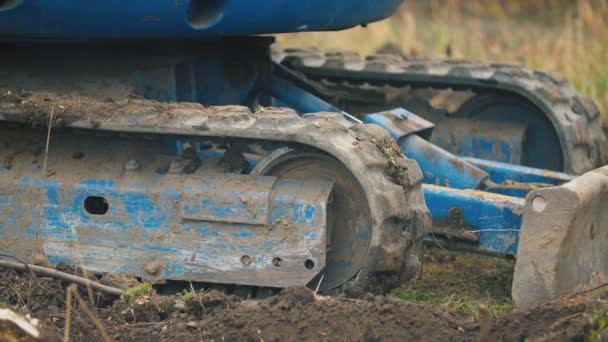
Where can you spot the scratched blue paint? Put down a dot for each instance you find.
(505, 147)
(5, 200)
(227, 205)
(441, 167)
(299, 99)
(309, 212)
(497, 218)
(438, 165)
(141, 223)
(244, 233)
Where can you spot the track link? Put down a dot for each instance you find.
(576, 119)
(399, 217)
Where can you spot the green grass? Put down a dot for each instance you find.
(259, 109)
(191, 294)
(137, 291)
(598, 323)
(188, 295)
(460, 282)
(455, 302)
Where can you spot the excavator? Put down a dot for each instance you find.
(174, 142)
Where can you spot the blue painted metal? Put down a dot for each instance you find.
(516, 180)
(492, 140)
(441, 167)
(474, 220)
(438, 165)
(218, 221)
(227, 72)
(299, 99)
(154, 19)
(479, 221)
(400, 122)
(502, 172)
(197, 228)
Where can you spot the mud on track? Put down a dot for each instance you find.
(294, 314)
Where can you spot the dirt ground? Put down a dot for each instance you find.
(421, 310)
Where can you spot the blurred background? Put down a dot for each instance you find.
(567, 37)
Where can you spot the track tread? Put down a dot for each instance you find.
(575, 117)
(398, 211)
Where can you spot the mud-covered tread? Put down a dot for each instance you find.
(575, 118)
(399, 215)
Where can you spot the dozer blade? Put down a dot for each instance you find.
(563, 246)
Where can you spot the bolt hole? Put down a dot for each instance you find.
(96, 205)
(538, 204)
(246, 260)
(309, 264)
(277, 262)
(205, 13)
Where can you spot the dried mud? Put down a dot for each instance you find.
(294, 314)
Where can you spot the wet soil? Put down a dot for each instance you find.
(294, 314)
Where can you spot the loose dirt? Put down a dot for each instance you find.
(294, 314)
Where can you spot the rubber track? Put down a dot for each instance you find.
(392, 185)
(575, 118)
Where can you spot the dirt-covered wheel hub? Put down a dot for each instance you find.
(349, 214)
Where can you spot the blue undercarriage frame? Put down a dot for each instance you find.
(476, 204)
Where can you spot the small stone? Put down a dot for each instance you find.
(132, 165)
(176, 167)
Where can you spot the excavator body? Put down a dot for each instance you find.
(167, 141)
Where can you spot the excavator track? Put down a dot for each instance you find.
(398, 216)
(383, 81)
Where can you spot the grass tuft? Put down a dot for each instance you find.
(460, 282)
(137, 291)
(598, 322)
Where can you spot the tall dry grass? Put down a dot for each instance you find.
(565, 37)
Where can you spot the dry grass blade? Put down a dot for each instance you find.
(44, 179)
(558, 36)
(30, 271)
(68, 314)
(73, 292)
